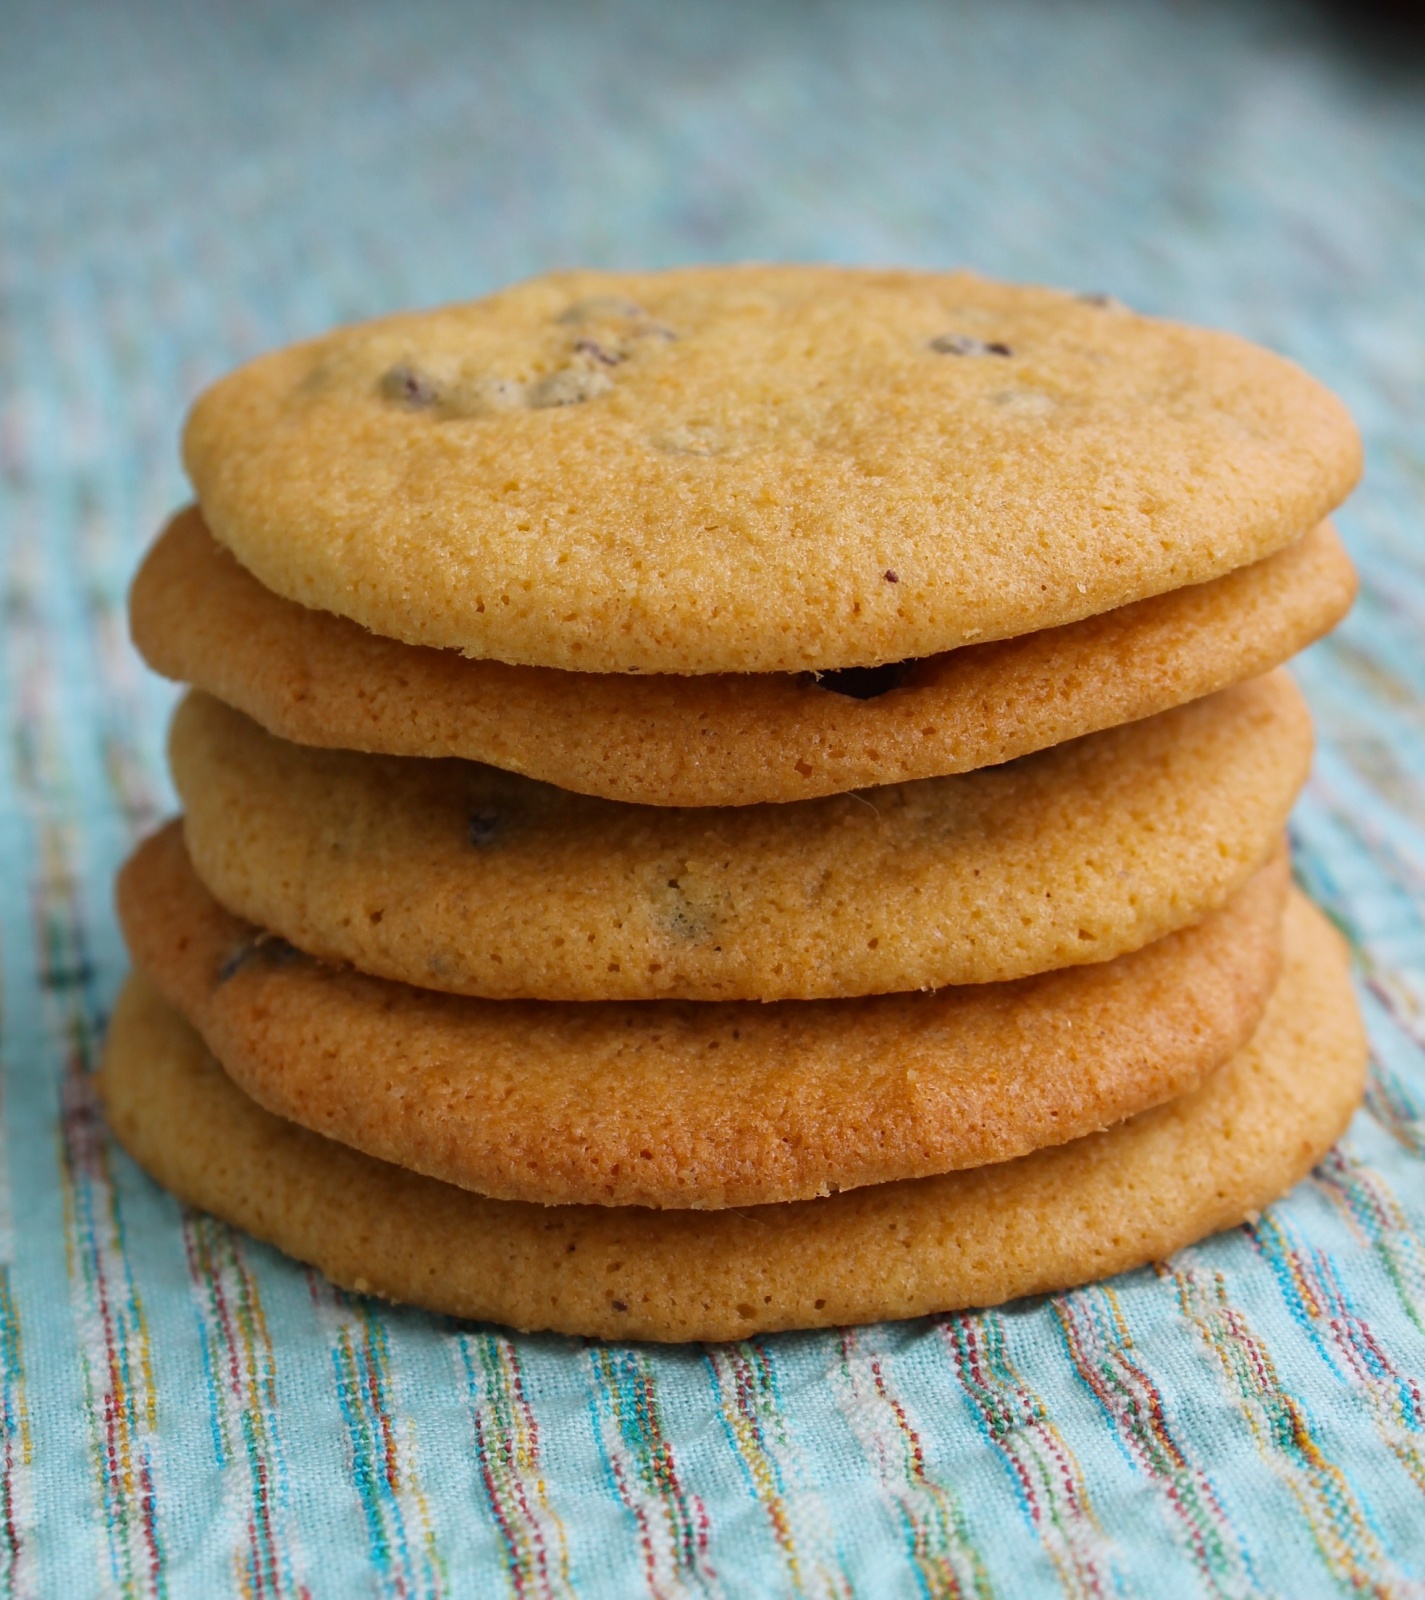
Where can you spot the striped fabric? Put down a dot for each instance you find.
(182, 1412)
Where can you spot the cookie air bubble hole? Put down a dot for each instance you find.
(865, 683)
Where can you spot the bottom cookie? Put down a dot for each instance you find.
(1046, 1221)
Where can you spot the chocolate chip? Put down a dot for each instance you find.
(964, 344)
(602, 305)
(269, 946)
(237, 959)
(890, 575)
(619, 1305)
(684, 921)
(484, 828)
(596, 352)
(409, 386)
(865, 683)
(570, 386)
(490, 394)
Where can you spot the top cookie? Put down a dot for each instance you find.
(757, 469)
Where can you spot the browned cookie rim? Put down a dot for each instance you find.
(1059, 1217)
(681, 1104)
(315, 678)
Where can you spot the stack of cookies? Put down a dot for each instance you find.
(739, 799)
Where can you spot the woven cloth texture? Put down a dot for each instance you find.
(185, 1413)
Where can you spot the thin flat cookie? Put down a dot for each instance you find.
(722, 739)
(669, 1103)
(758, 468)
(460, 877)
(1057, 1218)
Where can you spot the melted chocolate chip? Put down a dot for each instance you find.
(236, 960)
(964, 344)
(596, 352)
(891, 575)
(601, 305)
(409, 386)
(270, 946)
(865, 683)
(484, 828)
(570, 386)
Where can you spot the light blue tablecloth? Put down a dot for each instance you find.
(184, 1413)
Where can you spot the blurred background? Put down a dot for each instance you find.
(184, 183)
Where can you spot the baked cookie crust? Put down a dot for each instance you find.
(724, 739)
(1057, 1218)
(463, 878)
(758, 468)
(685, 1104)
